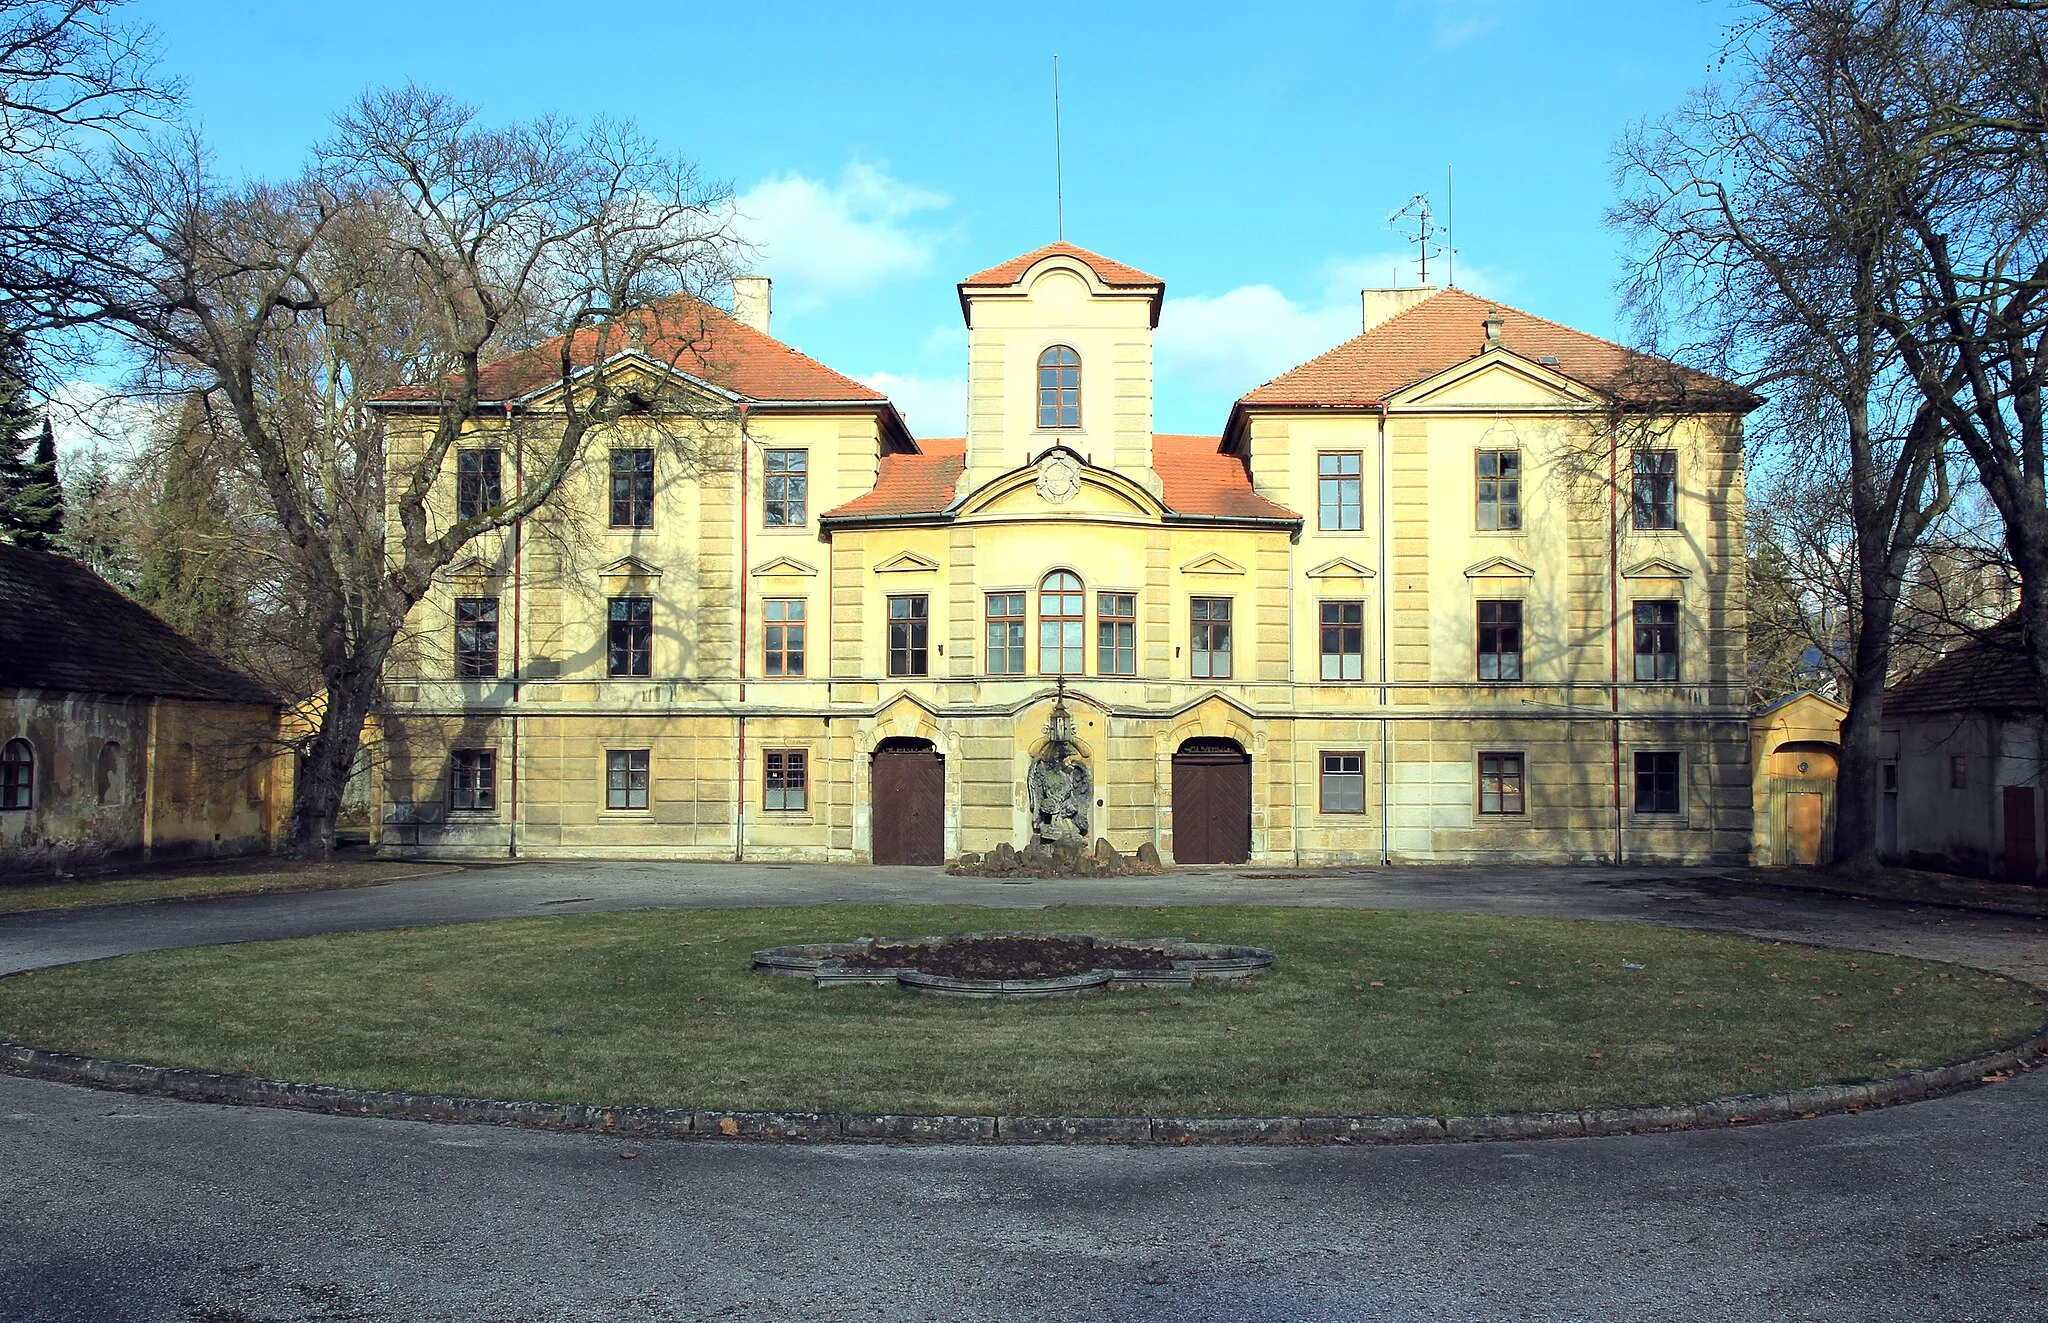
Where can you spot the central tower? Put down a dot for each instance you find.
(1059, 353)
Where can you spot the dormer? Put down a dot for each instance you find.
(1059, 353)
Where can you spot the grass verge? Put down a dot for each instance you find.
(1369, 1012)
(204, 881)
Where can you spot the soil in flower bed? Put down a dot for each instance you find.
(1008, 957)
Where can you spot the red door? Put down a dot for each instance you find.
(908, 808)
(1212, 803)
(2020, 849)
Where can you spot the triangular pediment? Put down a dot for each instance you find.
(907, 562)
(1656, 567)
(635, 372)
(784, 565)
(1499, 567)
(471, 567)
(1212, 563)
(1497, 379)
(1341, 568)
(629, 567)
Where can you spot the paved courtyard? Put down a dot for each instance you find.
(113, 1207)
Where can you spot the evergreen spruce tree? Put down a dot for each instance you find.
(31, 497)
(187, 573)
(99, 520)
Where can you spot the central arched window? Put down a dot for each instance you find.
(1062, 612)
(17, 775)
(1059, 388)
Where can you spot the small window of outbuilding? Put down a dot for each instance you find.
(106, 774)
(17, 775)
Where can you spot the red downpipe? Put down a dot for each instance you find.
(739, 841)
(518, 598)
(1614, 630)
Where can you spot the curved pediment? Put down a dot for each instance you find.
(1656, 567)
(1341, 568)
(1499, 567)
(1075, 489)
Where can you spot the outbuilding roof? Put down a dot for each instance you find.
(1990, 673)
(63, 627)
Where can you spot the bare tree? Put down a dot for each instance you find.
(419, 246)
(1768, 218)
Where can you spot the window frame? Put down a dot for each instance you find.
(613, 621)
(1323, 775)
(1048, 361)
(1959, 771)
(777, 766)
(1325, 626)
(1648, 482)
(1677, 783)
(1014, 627)
(472, 487)
(1073, 626)
(482, 777)
(1326, 477)
(796, 481)
(17, 775)
(917, 624)
(1498, 628)
(1203, 631)
(619, 773)
(632, 488)
(1521, 781)
(1506, 494)
(775, 637)
(468, 662)
(1676, 626)
(1116, 633)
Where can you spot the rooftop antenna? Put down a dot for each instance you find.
(1450, 232)
(1417, 224)
(1059, 172)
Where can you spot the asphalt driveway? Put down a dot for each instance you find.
(114, 1207)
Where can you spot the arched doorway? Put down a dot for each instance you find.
(1802, 783)
(907, 806)
(1212, 803)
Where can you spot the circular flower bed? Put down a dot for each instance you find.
(1014, 964)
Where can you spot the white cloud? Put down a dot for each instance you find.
(822, 241)
(1232, 342)
(932, 406)
(85, 415)
(1455, 22)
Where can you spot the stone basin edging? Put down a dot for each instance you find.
(860, 1127)
(824, 964)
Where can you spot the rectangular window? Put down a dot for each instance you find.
(478, 482)
(1656, 783)
(1500, 640)
(909, 635)
(1006, 633)
(631, 636)
(625, 778)
(1116, 633)
(1343, 625)
(1656, 640)
(1958, 772)
(782, 641)
(787, 489)
(1656, 489)
(473, 780)
(1500, 783)
(476, 638)
(632, 489)
(1343, 783)
(1500, 490)
(784, 787)
(1210, 641)
(1337, 491)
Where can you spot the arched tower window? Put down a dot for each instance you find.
(1059, 388)
(17, 775)
(1062, 612)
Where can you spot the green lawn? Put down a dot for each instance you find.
(1368, 1012)
(238, 877)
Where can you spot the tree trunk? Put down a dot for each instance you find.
(1857, 781)
(325, 766)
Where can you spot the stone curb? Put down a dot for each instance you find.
(838, 1127)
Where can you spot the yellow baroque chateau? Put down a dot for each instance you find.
(1467, 587)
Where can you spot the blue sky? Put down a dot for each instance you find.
(1249, 156)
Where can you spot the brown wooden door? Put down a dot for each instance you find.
(1802, 827)
(908, 808)
(1212, 803)
(2019, 834)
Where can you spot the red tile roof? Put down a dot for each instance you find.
(689, 335)
(1448, 328)
(1198, 480)
(1107, 270)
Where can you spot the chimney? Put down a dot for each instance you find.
(1380, 304)
(1492, 324)
(750, 300)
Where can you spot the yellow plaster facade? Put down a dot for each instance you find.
(1403, 754)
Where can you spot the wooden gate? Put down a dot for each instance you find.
(2019, 834)
(1804, 814)
(1212, 803)
(908, 804)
